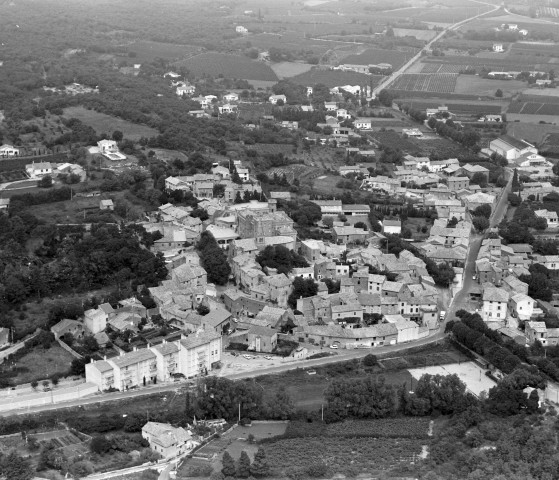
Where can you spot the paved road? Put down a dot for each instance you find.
(385, 83)
(497, 216)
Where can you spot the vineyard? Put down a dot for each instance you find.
(341, 454)
(230, 66)
(374, 56)
(443, 68)
(12, 175)
(417, 82)
(334, 78)
(533, 108)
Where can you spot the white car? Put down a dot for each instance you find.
(311, 372)
(248, 357)
(334, 346)
(267, 357)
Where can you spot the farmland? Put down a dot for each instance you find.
(417, 82)
(363, 454)
(425, 35)
(535, 134)
(290, 69)
(373, 56)
(395, 141)
(333, 78)
(534, 108)
(145, 50)
(485, 87)
(230, 66)
(103, 123)
(437, 14)
(463, 108)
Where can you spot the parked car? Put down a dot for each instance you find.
(334, 346)
(234, 354)
(248, 357)
(311, 372)
(267, 357)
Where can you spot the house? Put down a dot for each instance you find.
(495, 303)
(227, 108)
(240, 29)
(510, 147)
(331, 106)
(412, 132)
(223, 236)
(342, 113)
(230, 97)
(243, 173)
(35, 170)
(184, 89)
(218, 320)
(363, 123)
(329, 207)
(536, 331)
(356, 210)
(67, 326)
(470, 170)
(392, 227)
(4, 203)
(522, 306)
(8, 151)
(274, 99)
(95, 320)
(349, 234)
(550, 217)
(106, 204)
(498, 48)
(458, 183)
(280, 288)
(322, 335)
(262, 339)
(167, 440)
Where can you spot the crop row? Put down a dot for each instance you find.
(416, 82)
(364, 454)
(533, 108)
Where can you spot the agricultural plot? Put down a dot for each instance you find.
(290, 69)
(424, 35)
(103, 123)
(474, 85)
(146, 50)
(395, 141)
(533, 108)
(291, 172)
(551, 144)
(534, 134)
(334, 78)
(253, 113)
(291, 41)
(417, 82)
(374, 56)
(432, 67)
(63, 439)
(12, 176)
(272, 148)
(466, 108)
(339, 453)
(230, 66)
(388, 428)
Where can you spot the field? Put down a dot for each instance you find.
(292, 41)
(373, 56)
(147, 50)
(438, 14)
(272, 148)
(463, 108)
(417, 82)
(334, 78)
(485, 87)
(534, 134)
(74, 211)
(551, 144)
(230, 66)
(395, 141)
(40, 364)
(102, 123)
(469, 372)
(363, 454)
(425, 35)
(533, 108)
(290, 69)
(12, 175)
(63, 439)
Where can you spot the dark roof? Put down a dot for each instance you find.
(514, 142)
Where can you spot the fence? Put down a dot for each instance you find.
(69, 349)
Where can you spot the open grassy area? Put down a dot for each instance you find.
(474, 85)
(326, 184)
(107, 124)
(290, 69)
(43, 363)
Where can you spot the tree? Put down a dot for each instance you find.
(516, 182)
(280, 258)
(202, 309)
(228, 469)
(480, 179)
(483, 211)
(214, 259)
(281, 406)
(302, 288)
(480, 223)
(243, 466)
(360, 225)
(100, 445)
(260, 467)
(370, 360)
(118, 136)
(499, 93)
(328, 222)
(45, 182)
(15, 467)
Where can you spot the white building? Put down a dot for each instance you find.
(36, 170)
(510, 147)
(522, 306)
(393, 227)
(190, 356)
(498, 48)
(363, 123)
(495, 303)
(167, 440)
(242, 30)
(550, 217)
(227, 108)
(8, 151)
(230, 97)
(185, 90)
(274, 99)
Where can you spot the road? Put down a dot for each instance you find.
(497, 216)
(385, 83)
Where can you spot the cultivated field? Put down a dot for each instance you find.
(425, 35)
(146, 50)
(334, 78)
(469, 372)
(534, 108)
(374, 56)
(70, 443)
(460, 108)
(417, 82)
(230, 66)
(102, 123)
(40, 364)
(533, 133)
(485, 87)
(290, 69)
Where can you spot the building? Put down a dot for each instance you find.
(106, 205)
(522, 306)
(8, 151)
(230, 97)
(349, 234)
(550, 217)
(242, 30)
(37, 170)
(536, 331)
(66, 326)
(392, 227)
(377, 335)
(274, 99)
(4, 203)
(262, 339)
(498, 48)
(4, 336)
(167, 440)
(329, 207)
(223, 236)
(458, 183)
(190, 356)
(262, 224)
(510, 147)
(495, 304)
(95, 320)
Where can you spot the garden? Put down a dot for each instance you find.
(230, 66)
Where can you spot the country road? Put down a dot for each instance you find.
(392, 78)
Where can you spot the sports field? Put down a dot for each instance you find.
(469, 372)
